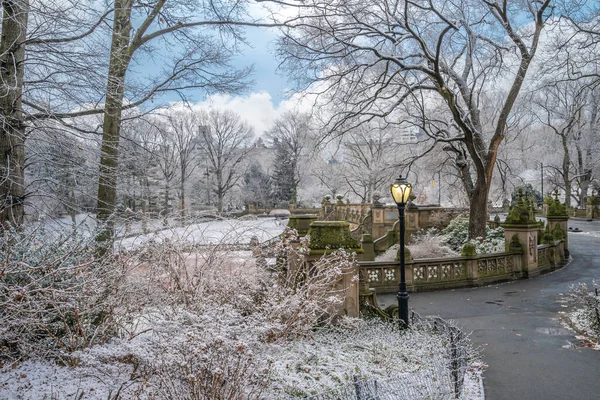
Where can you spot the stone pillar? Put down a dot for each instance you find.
(368, 247)
(523, 237)
(521, 234)
(558, 220)
(378, 214)
(329, 236)
(592, 209)
(562, 223)
(412, 221)
(301, 223)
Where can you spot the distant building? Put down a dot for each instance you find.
(409, 134)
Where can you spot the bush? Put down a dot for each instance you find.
(587, 301)
(430, 245)
(457, 232)
(55, 298)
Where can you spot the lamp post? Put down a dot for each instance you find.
(401, 192)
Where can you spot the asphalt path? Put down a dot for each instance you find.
(517, 325)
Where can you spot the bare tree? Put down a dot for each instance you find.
(369, 155)
(12, 135)
(206, 35)
(185, 130)
(225, 139)
(366, 59)
(45, 64)
(569, 109)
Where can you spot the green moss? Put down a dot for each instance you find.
(557, 232)
(469, 249)
(301, 223)
(515, 244)
(331, 235)
(547, 237)
(556, 208)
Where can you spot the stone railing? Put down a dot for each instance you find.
(443, 273)
(456, 272)
(550, 256)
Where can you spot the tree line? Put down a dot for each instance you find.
(493, 88)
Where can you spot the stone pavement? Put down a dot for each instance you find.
(518, 327)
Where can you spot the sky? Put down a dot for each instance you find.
(268, 97)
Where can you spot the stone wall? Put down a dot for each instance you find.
(458, 272)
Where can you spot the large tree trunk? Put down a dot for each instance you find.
(220, 191)
(115, 88)
(12, 128)
(478, 209)
(565, 171)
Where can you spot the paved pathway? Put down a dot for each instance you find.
(517, 325)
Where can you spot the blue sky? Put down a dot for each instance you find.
(262, 56)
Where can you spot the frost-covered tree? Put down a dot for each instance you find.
(185, 135)
(370, 154)
(47, 69)
(291, 138)
(284, 174)
(257, 186)
(364, 60)
(225, 141)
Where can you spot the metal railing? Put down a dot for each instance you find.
(442, 379)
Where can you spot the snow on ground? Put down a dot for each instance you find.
(413, 362)
(230, 231)
(591, 233)
(583, 323)
(216, 231)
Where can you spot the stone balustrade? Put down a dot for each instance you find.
(457, 272)
(443, 273)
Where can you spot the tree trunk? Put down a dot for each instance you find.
(182, 193)
(565, 170)
(115, 89)
(12, 130)
(478, 210)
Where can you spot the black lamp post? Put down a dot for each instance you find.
(401, 192)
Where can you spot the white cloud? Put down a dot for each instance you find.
(256, 108)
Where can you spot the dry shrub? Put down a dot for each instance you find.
(55, 297)
(430, 245)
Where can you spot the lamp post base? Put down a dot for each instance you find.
(403, 309)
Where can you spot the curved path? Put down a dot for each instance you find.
(517, 326)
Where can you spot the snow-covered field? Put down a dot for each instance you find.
(232, 231)
(216, 231)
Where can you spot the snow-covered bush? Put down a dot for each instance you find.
(55, 297)
(430, 245)
(586, 318)
(457, 232)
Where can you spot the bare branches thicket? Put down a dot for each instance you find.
(365, 60)
(201, 40)
(370, 155)
(225, 139)
(48, 67)
(569, 109)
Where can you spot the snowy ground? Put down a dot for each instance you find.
(232, 231)
(225, 332)
(216, 231)
(414, 363)
(582, 322)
